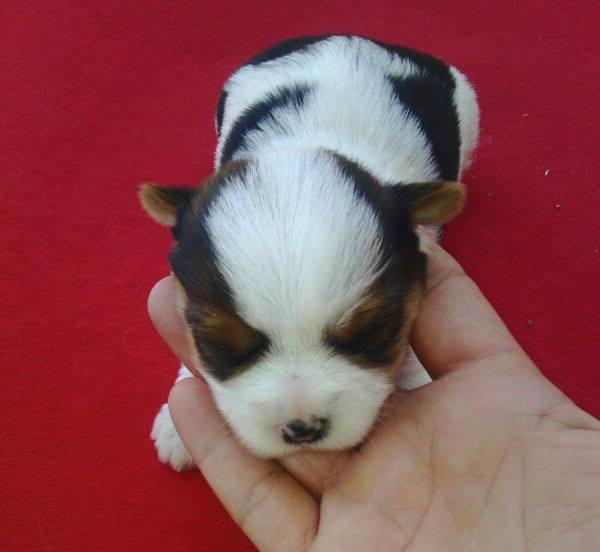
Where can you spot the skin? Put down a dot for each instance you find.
(490, 456)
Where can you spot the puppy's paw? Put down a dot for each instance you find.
(171, 449)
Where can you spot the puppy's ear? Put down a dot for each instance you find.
(431, 203)
(162, 202)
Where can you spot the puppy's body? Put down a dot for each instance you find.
(307, 249)
(405, 116)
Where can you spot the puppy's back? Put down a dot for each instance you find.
(404, 115)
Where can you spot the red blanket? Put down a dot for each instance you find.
(96, 97)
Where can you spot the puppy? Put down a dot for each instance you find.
(300, 263)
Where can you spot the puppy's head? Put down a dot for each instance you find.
(299, 276)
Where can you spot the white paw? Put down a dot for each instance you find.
(171, 449)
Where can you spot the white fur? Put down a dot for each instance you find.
(171, 449)
(465, 102)
(297, 245)
(285, 386)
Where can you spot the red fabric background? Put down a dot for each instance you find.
(96, 97)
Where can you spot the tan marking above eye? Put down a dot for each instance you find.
(221, 327)
(374, 331)
(358, 317)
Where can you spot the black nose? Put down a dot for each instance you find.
(298, 432)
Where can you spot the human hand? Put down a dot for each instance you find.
(490, 456)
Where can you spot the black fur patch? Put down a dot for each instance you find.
(394, 213)
(260, 113)
(194, 263)
(373, 335)
(431, 102)
(429, 97)
(220, 110)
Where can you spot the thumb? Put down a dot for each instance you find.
(456, 325)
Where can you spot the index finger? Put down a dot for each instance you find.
(169, 323)
(270, 506)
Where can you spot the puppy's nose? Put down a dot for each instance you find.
(298, 431)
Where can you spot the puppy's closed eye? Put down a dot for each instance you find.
(372, 333)
(225, 342)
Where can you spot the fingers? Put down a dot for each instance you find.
(168, 322)
(270, 506)
(456, 324)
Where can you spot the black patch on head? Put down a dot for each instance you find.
(220, 110)
(194, 263)
(375, 342)
(260, 113)
(284, 48)
(394, 215)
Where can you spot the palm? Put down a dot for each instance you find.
(490, 456)
(465, 457)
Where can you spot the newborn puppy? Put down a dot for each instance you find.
(300, 263)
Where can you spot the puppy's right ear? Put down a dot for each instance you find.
(162, 202)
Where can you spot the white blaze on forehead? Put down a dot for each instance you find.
(295, 242)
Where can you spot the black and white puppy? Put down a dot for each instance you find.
(301, 263)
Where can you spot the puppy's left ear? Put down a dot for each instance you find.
(432, 203)
(162, 202)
